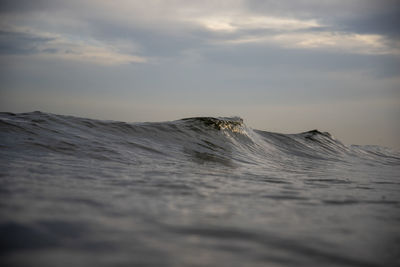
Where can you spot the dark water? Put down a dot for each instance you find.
(191, 192)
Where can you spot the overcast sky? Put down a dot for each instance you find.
(283, 66)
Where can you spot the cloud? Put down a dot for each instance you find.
(21, 42)
(22, 6)
(329, 41)
(100, 31)
(25, 41)
(181, 26)
(357, 16)
(249, 22)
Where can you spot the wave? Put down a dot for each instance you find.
(220, 140)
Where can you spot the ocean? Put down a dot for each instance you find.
(192, 192)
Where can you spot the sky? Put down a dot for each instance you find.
(283, 66)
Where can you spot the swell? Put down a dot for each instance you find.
(221, 140)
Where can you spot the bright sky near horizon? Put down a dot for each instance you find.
(283, 66)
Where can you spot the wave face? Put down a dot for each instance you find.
(193, 192)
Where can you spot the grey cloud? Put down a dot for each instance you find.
(318, 8)
(151, 42)
(173, 41)
(359, 16)
(386, 23)
(21, 43)
(166, 37)
(305, 8)
(24, 6)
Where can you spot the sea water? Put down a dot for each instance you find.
(191, 192)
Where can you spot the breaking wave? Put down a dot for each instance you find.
(205, 138)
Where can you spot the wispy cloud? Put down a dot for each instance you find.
(371, 44)
(289, 33)
(29, 42)
(252, 22)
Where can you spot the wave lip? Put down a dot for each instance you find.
(233, 124)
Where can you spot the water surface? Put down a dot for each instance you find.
(192, 192)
